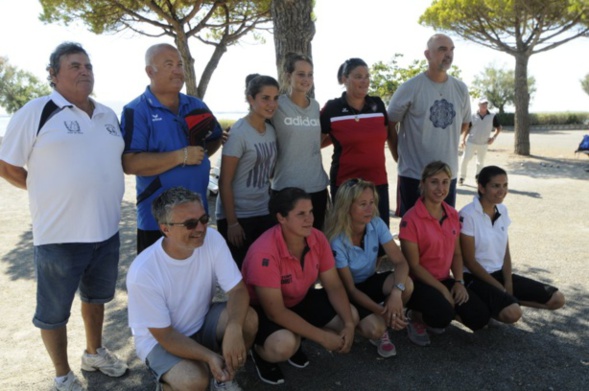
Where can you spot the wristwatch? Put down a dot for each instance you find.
(459, 281)
(400, 286)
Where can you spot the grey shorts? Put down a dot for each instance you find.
(159, 361)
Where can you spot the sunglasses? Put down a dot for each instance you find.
(193, 223)
(352, 182)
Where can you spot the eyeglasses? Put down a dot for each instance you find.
(193, 223)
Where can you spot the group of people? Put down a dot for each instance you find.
(292, 267)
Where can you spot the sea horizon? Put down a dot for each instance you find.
(221, 115)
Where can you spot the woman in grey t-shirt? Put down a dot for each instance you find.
(249, 156)
(298, 132)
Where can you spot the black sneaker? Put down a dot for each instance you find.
(299, 359)
(268, 372)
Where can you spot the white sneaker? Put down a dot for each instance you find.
(71, 383)
(225, 386)
(105, 361)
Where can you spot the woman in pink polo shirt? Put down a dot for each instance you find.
(280, 271)
(430, 241)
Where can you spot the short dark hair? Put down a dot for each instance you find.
(488, 173)
(162, 205)
(64, 49)
(284, 200)
(255, 82)
(348, 66)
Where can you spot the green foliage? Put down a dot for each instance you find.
(519, 28)
(17, 86)
(213, 22)
(385, 78)
(511, 25)
(546, 119)
(226, 123)
(585, 84)
(498, 86)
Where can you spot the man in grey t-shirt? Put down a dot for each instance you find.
(433, 109)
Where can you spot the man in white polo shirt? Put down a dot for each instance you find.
(71, 147)
(479, 138)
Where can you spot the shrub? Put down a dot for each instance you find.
(540, 119)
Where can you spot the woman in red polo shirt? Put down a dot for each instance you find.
(280, 271)
(430, 241)
(359, 127)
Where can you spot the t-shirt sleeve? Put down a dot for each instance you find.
(325, 118)
(383, 232)
(20, 136)
(326, 260)
(235, 145)
(467, 222)
(399, 104)
(381, 109)
(226, 271)
(407, 229)
(466, 106)
(263, 269)
(496, 123)
(146, 304)
(339, 253)
(135, 129)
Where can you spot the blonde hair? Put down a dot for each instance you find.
(339, 220)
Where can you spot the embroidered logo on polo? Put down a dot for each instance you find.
(442, 113)
(265, 262)
(73, 127)
(155, 118)
(286, 279)
(111, 130)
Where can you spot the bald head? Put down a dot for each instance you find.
(154, 50)
(165, 68)
(439, 53)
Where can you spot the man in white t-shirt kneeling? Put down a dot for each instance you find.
(179, 332)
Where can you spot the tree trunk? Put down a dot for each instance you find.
(189, 74)
(522, 102)
(207, 73)
(293, 29)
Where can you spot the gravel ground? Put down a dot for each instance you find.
(543, 351)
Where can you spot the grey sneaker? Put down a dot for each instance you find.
(104, 361)
(416, 331)
(225, 386)
(71, 383)
(385, 348)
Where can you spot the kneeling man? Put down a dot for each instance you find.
(177, 329)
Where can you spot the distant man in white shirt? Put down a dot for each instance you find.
(171, 284)
(479, 138)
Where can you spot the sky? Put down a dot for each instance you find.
(373, 30)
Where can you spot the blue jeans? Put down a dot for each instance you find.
(63, 268)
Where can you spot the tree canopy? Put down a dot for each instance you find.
(220, 23)
(519, 28)
(585, 84)
(17, 86)
(385, 78)
(498, 86)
